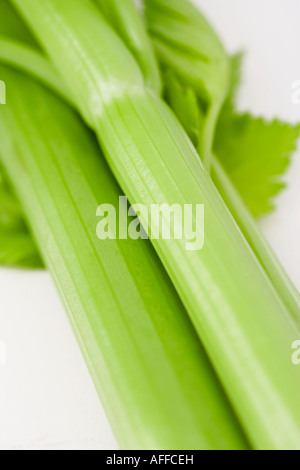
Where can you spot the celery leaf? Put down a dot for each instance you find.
(255, 154)
(184, 102)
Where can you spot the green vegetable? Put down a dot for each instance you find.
(250, 156)
(183, 101)
(12, 25)
(241, 320)
(142, 351)
(124, 16)
(16, 244)
(28, 59)
(255, 154)
(250, 146)
(198, 57)
(185, 104)
(18, 249)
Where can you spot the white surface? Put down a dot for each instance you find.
(47, 400)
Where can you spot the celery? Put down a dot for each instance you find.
(12, 25)
(278, 276)
(16, 244)
(180, 16)
(155, 381)
(242, 321)
(199, 55)
(28, 59)
(126, 19)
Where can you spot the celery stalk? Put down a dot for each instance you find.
(243, 323)
(154, 379)
(124, 16)
(174, 25)
(181, 34)
(26, 58)
(278, 276)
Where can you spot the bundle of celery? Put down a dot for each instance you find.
(157, 385)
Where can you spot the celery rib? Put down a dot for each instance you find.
(241, 320)
(154, 379)
(28, 59)
(126, 19)
(196, 53)
(163, 27)
(259, 245)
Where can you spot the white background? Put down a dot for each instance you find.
(47, 400)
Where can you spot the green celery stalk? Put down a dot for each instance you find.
(155, 381)
(30, 60)
(197, 53)
(27, 58)
(12, 26)
(243, 323)
(173, 25)
(126, 19)
(278, 276)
